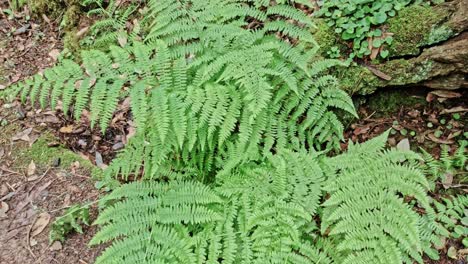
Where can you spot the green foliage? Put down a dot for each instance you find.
(218, 95)
(448, 220)
(265, 213)
(233, 116)
(447, 164)
(366, 208)
(111, 26)
(72, 220)
(360, 21)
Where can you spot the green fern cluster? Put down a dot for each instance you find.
(97, 85)
(267, 213)
(448, 220)
(207, 91)
(447, 164)
(234, 115)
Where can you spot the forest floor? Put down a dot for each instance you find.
(46, 160)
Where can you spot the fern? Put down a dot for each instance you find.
(366, 206)
(263, 213)
(234, 114)
(447, 165)
(253, 216)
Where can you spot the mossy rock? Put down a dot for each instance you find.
(326, 37)
(417, 26)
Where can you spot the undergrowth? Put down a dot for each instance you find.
(231, 161)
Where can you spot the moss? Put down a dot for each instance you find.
(71, 43)
(44, 155)
(326, 37)
(386, 102)
(417, 26)
(360, 80)
(438, 34)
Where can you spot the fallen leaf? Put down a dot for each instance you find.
(448, 180)
(361, 130)
(32, 242)
(379, 73)
(3, 209)
(403, 145)
(41, 222)
(441, 245)
(2, 152)
(54, 54)
(414, 113)
(57, 245)
(445, 94)
(2, 87)
(81, 32)
(99, 161)
(23, 135)
(454, 134)
(3, 190)
(438, 140)
(31, 168)
(66, 129)
(122, 39)
(48, 119)
(454, 110)
(452, 253)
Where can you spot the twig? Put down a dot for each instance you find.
(42, 177)
(28, 238)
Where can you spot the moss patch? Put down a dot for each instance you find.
(360, 80)
(386, 102)
(326, 37)
(417, 26)
(44, 155)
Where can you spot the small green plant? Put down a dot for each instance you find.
(72, 220)
(361, 22)
(334, 52)
(447, 164)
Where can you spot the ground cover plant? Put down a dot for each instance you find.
(236, 155)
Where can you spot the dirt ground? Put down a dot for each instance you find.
(60, 178)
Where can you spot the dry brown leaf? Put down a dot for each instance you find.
(3, 209)
(57, 245)
(454, 134)
(23, 135)
(438, 140)
(379, 73)
(41, 223)
(445, 94)
(81, 32)
(31, 169)
(454, 110)
(66, 129)
(54, 54)
(448, 180)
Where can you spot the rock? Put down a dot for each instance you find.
(430, 49)
(57, 245)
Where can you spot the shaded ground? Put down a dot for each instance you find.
(427, 118)
(60, 179)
